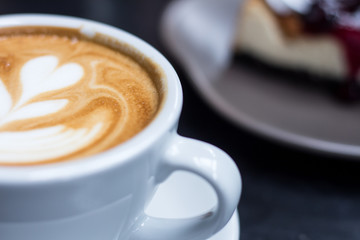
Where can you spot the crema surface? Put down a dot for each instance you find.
(63, 97)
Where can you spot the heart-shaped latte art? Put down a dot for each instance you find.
(38, 76)
(64, 98)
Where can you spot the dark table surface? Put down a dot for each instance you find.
(287, 193)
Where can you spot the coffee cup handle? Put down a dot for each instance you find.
(213, 165)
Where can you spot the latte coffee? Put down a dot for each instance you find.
(65, 96)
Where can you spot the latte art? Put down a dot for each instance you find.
(64, 98)
(37, 76)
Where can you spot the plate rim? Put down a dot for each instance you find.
(215, 100)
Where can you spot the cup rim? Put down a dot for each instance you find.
(164, 121)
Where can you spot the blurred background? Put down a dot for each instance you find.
(288, 192)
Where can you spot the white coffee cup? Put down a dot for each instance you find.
(103, 197)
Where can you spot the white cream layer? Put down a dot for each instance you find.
(260, 35)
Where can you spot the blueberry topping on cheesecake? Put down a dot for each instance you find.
(320, 37)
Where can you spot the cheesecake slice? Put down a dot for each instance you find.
(322, 39)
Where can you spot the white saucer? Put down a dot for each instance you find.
(186, 195)
(293, 115)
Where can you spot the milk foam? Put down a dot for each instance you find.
(64, 97)
(43, 144)
(5, 100)
(37, 76)
(42, 74)
(33, 110)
